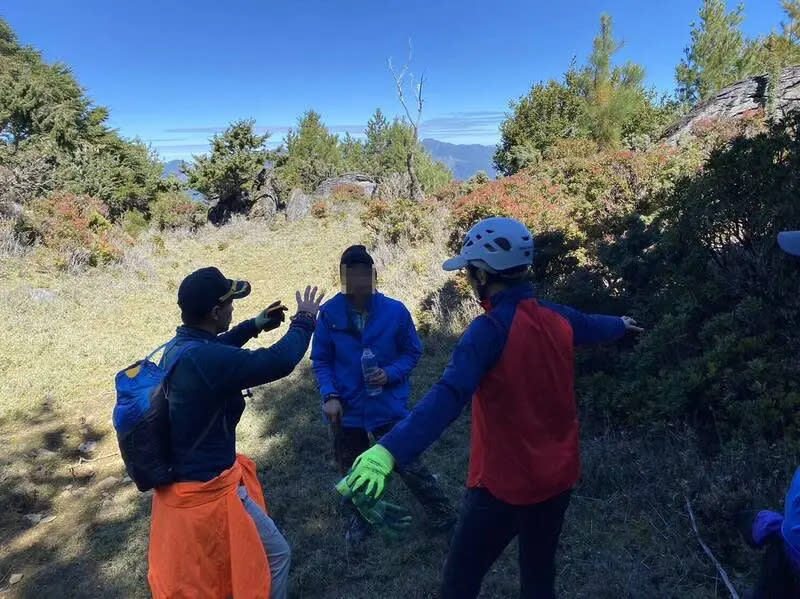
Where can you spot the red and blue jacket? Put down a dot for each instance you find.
(516, 363)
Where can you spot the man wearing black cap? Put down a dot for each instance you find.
(353, 325)
(205, 392)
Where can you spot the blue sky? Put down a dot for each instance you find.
(173, 72)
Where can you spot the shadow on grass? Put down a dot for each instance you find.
(95, 545)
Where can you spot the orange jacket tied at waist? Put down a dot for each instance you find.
(203, 544)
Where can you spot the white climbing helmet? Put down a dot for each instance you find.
(495, 244)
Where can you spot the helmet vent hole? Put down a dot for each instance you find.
(504, 244)
(478, 237)
(526, 238)
(468, 244)
(489, 231)
(490, 247)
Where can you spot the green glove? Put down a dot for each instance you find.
(391, 519)
(371, 468)
(271, 317)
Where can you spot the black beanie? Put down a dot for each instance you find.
(356, 254)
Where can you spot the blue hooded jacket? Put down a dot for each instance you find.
(336, 356)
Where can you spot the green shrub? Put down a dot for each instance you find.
(75, 228)
(134, 223)
(319, 209)
(177, 210)
(401, 220)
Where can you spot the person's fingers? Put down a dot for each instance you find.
(394, 510)
(298, 297)
(355, 481)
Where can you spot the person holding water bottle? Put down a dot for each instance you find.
(363, 352)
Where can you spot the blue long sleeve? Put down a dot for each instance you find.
(240, 334)
(475, 354)
(242, 368)
(590, 328)
(322, 355)
(411, 351)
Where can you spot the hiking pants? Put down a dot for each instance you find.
(278, 553)
(486, 526)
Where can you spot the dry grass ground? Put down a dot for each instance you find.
(64, 337)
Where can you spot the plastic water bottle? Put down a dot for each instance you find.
(369, 364)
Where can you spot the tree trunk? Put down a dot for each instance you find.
(415, 188)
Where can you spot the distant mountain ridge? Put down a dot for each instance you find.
(173, 167)
(463, 160)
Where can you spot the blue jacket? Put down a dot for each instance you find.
(475, 355)
(336, 356)
(207, 384)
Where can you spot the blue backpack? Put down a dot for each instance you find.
(141, 419)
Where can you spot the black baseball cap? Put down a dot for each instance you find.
(205, 288)
(356, 254)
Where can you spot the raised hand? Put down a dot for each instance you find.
(308, 302)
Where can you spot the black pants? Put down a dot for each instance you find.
(486, 526)
(779, 578)
(349, 443)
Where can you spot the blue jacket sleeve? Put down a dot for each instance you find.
(590, 328)
(410, 351)
(322, 352)
(240, 334)
(791, 522)
(236, 368)
(475, 354)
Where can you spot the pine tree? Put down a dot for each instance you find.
(612, 94)
(791, 27)
(312, 154)
(715, 57)
(353, 154)
(236, 157)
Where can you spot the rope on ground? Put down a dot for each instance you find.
(719, 567)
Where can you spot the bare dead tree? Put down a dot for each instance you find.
(400, 83)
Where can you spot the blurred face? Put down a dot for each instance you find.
(477, 279)
(222, 316)
(358, 280)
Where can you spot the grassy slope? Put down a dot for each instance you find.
(625, 537)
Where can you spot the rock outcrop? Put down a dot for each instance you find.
(266, 199)
(367, 183)
(740, 99)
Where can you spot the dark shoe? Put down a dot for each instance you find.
(357, 530)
